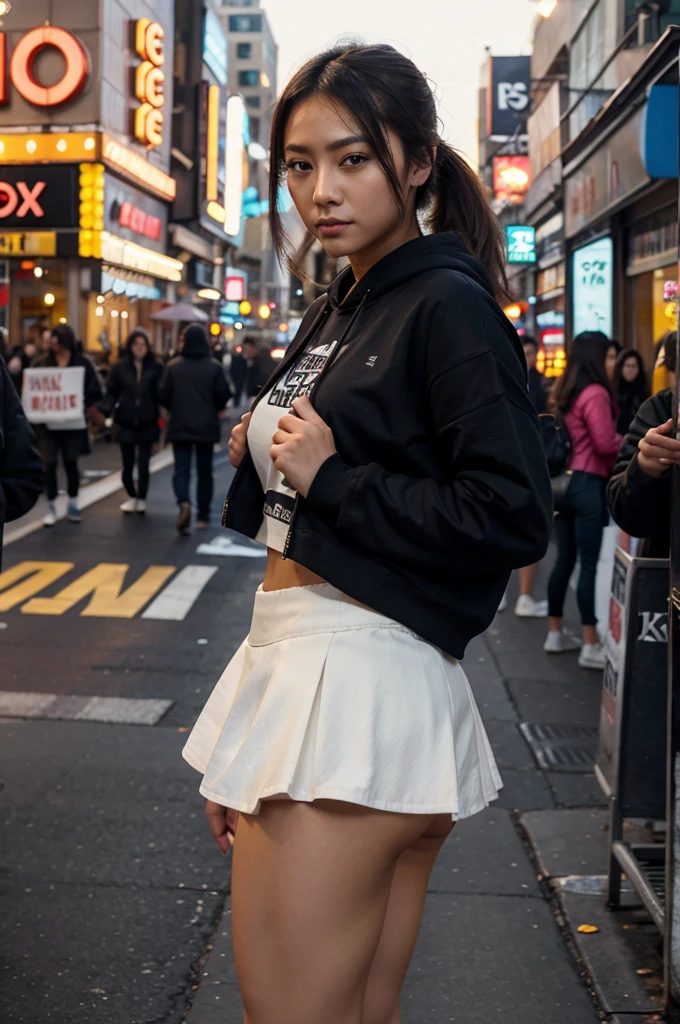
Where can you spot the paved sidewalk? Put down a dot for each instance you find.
(494, 944)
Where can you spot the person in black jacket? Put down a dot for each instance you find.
(22, 476)
(260, 367)
(630, 387)
(132, 397)
(64, 351)
(194, 390)
(639, 492)
(393, 468)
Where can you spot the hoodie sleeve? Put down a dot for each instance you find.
(640, 504)
(492, 508)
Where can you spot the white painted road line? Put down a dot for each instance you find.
(176, 600)
(111, 710)
(225, 547)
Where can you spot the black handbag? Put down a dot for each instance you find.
(557, 447)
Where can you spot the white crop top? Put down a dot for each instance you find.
(279, 499)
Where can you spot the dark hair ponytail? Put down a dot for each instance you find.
(459, 203)
(384, 89)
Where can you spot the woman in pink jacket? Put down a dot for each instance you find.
(584, 397)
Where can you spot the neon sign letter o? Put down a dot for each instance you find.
(23, 58)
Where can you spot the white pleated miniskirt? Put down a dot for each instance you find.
(326, 698)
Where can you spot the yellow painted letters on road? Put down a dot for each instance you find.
(105, 583)
(26, 579)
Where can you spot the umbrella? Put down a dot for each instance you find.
(183, 311)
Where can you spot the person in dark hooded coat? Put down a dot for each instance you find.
(194, 390)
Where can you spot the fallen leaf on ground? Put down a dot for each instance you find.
(587, 929)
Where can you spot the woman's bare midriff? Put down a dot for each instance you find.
(283, 573)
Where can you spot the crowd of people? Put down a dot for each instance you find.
(142, 399)
(617, 416)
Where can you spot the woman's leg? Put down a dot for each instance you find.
(51, 480)
(143, 459)
(588, 527)
(382, 1003)
(563, 568)
(127, 453)
(311, 885)
(72, 477)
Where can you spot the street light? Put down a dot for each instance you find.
(546, 7)
(264, 312)
(49, 299)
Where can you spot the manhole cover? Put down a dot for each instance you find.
(560, 747)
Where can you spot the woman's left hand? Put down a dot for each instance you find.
(301, 445)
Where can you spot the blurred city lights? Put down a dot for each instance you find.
(49, 299)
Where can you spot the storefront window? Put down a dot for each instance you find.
(38, 299)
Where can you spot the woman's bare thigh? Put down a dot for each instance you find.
(310, 889)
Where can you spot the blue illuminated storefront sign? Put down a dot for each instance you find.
(520, 241)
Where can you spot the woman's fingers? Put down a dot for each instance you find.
(218, 825)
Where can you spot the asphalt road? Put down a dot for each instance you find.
(112, 886)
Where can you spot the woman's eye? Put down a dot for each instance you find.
(354, 160)
(299, 165)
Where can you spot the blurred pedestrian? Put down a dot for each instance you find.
(238, 371)
(393, 468)
(630, 387)
(194, 390)
(585, 398)
(73, 442)
(639, 492)
(132, 399)
(660, 378)
(260, 367)
(527, 607)
(22, 476)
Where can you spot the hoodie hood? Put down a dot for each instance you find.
(195, 343)
(429, 252)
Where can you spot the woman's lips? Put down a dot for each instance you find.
(329, 230)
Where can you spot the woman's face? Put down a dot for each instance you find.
(630, 370)
(610, 362)
(139, 348)
(338, 186)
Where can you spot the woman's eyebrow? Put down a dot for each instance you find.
(349, 140)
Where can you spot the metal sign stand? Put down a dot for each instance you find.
(672, 936)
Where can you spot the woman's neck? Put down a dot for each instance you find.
(63, 358)
(361, 262)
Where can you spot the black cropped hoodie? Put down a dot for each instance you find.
(439, 487)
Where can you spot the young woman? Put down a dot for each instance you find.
(630, 387)
(394, 506)
(132, 397)
(74, 442)
(584, 396)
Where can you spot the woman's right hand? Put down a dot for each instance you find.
(657, 452)
(222, 822)
(237, 441)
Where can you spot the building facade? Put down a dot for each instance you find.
(85, 140)
(603, 148)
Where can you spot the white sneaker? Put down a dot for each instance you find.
(504, 603)
(559, 641)
(528, 608)
(51, 518)
(141, 506)
(592, 656)
(129, 506)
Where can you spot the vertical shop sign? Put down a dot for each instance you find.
(149, 82)
(593, 287)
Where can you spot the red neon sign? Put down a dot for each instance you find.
(136, 220)
(21, 71)
(9, 199)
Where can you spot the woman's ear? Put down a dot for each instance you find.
(421, 170)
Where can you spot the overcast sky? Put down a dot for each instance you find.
(445, 38)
